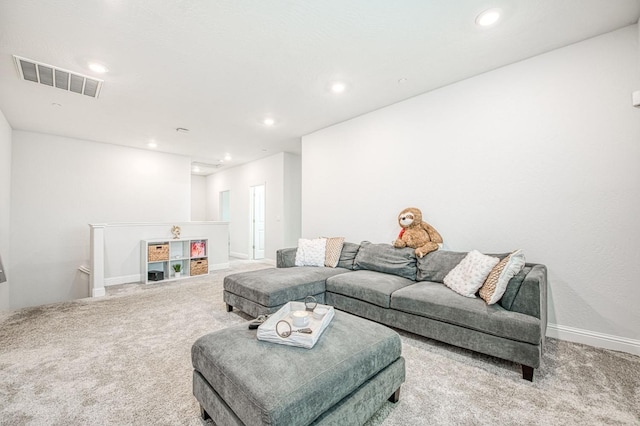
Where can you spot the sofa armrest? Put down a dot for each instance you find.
(531, 296)
(286, 257)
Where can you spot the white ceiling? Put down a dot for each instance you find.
(219, 67)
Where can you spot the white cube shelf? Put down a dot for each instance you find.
(159, 256)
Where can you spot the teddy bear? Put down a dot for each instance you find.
(416, 234)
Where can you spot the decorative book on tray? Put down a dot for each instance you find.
(290, 326)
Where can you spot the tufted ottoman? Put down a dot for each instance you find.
(343, 380)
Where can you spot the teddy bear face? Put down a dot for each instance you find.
(408, 217)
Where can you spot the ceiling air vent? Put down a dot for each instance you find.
(49, 75)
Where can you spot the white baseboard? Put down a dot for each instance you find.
(124, 279)
(593, 338)
(136, 278)
(239, 255)
(219, 266)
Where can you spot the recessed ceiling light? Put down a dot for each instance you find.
(99, 68)
(269, 121)
(196, 169)
(338, 87)
(152, 145)
(488, 17)
(227, 157)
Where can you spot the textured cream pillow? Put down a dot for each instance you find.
(498, 279)
(468, 275)
(311, 252)
(333, 250)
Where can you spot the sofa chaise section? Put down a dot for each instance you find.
(263, 292)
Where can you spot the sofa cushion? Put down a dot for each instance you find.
(369, 286)
(276, 286)
(348, 255)
(513, 292)
(386, 258)
(436, 301)
(437, 264)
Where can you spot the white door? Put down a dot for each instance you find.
(257, 220)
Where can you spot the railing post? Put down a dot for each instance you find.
(96, 278)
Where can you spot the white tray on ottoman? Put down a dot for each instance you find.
(353, 369)
(268, 331)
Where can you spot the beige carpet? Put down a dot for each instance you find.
(125, 359)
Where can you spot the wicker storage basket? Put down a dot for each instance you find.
(158, 252)
(199, 267)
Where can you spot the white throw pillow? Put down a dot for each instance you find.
(498, 279)
(469, 275)
(311, 252)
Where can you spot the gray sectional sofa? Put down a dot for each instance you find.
(393, 287)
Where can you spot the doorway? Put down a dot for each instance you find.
(225, 206)
(257, 221)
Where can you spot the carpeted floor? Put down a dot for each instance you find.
(125, 359)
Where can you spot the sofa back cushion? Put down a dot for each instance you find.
(348, 255)
(437, 264)
(386, 258)
(513, 288)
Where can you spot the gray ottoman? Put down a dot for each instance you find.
(343, 380)
(264, 291)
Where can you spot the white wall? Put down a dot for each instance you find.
(292, 217)
(198, 198)
(542, 155)
(60, 185)
(5, 206)
(280, 202)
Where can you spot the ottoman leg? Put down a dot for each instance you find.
(229, 308)
(395, 397)
(203, 413)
